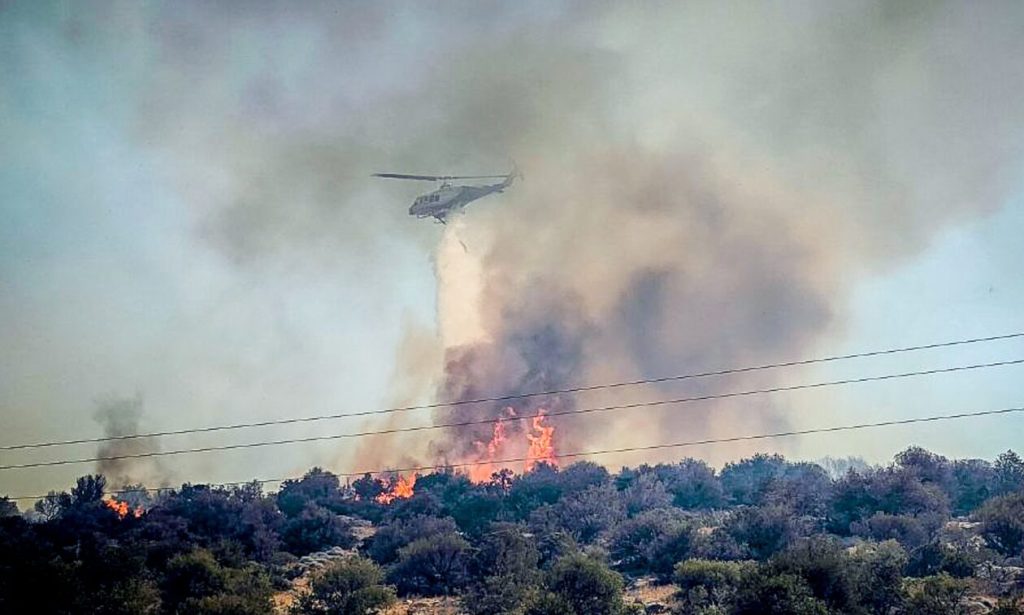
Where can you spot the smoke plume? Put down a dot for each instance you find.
(704, 184)
(122, 416)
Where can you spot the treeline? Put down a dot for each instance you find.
(765, 535)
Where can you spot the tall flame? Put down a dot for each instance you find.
(401, 488)
(482, 471)
(542, 443)
(122, 508)
(539, 447)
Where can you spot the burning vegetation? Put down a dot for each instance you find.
(537, 445)
(123, 509)
(401, 488)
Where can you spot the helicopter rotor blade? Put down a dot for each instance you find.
(435, 178)
(474, 177)
(429, 178)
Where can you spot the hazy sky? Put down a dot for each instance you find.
(189, 222)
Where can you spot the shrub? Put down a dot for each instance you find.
(934, 557)
(349, 587)
(826, 568)
(879, 575)
(907, 530)
(763, 530)
(765, 593)
(645, 492)
(652, 542)
(691, 483)
(584, 514)
(196, 582)
(1002, 523)
(937, 595)
(314, 529)
(748, 480)
(586, 586)
(383, 547)
(436, 565)
(706, 584)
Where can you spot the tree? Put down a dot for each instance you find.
(803, 487)
(582, 475)
(88, 489)
(8, 508)
(893, 491)
(349, 587)
(586, 586)
(1002, 523)
(763, 530)
(317, 486)
(368, 488)
(53, 504)
(1009, 471)
(692, 484)
(436, 565)
(928, 467)
(747, 481)
(975, 483)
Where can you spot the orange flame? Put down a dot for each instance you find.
(540, 447)
(542, 443)
(122, 509)
(481, 472)
(401, 489)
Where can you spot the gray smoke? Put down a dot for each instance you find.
(705, 181)
(122, 416)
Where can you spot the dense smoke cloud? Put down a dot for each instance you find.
(704, 182)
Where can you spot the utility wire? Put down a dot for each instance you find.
(626, 449)
(647, 404)
(511, 397)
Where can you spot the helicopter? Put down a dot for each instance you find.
(448, 199)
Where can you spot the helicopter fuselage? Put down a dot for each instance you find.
(449, 199)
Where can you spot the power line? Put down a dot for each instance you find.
(626, 449)
(511, 397)
(647, 404)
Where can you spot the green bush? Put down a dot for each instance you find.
(767, 593)
(1002, 523)
(936, 595)
(707, 584)
(586, 586)
(350, 587)
(652, 542)
(196, 582)
(432, 566)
